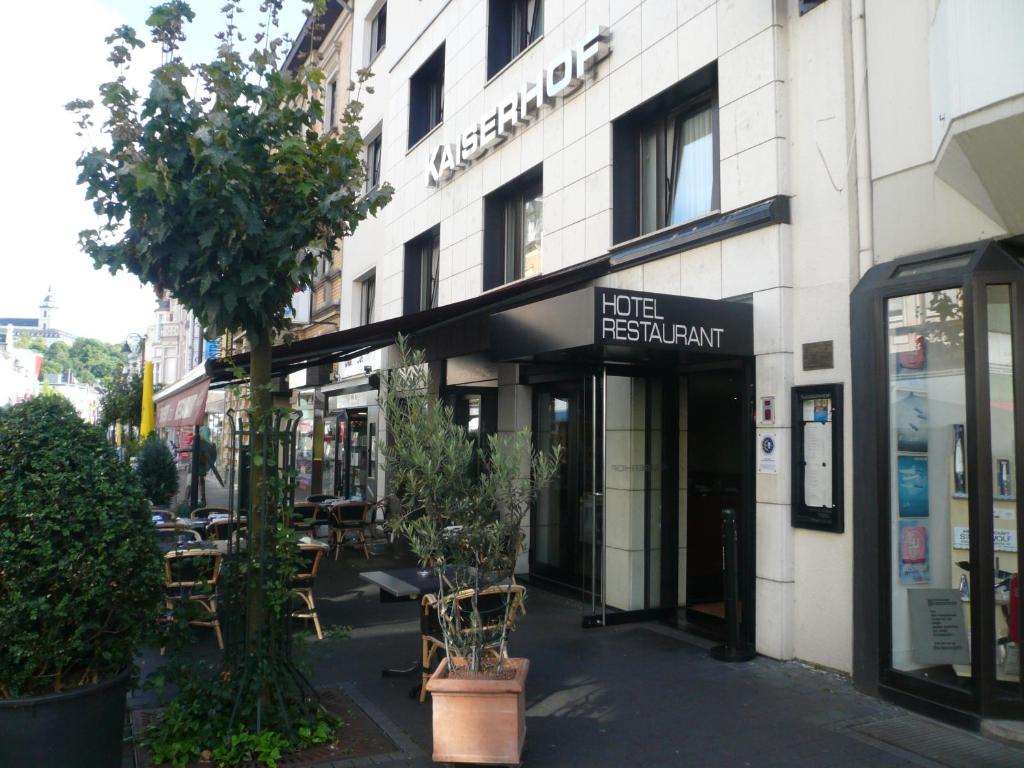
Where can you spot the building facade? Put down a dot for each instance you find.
(733, 254)
(174, 342)
(41, 327)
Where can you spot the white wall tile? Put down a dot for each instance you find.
(774, 618)
(753, 175)
(700, 272)
(659, 66)
(739, 20)
(625, 88)
(746, 67)
(774, 542)
(751, 261)
(695, 41)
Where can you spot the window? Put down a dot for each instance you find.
(332, 98)
(512, 26)
(367, 298)
(422, 265)
(374, 162)
(378, 31)
(426, 97)
(666, 159)
(513, 228)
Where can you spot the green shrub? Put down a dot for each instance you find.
(80, 570)
(157, 470)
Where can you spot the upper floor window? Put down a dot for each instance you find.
(332, 100)
(426, 96)
(666, 159)
(367, 299)
(373, 148)
(378, 31)
(513, 227)
(422, 271)
(512, 26)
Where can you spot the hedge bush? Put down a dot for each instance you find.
(80, 570)
(157, 471)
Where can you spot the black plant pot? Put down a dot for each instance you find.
(82, 728)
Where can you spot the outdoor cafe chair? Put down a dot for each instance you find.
(304, 516)
(190, 579)
(495, 620)
(302, 584)
(203, 513)
(222, 528)
(175, 535)
(350, 518)
(320, 498)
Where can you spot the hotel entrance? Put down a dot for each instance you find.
(648, 399)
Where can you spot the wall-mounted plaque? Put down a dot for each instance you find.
(818, 356)
(818, 458)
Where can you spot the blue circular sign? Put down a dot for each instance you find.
(768, 444)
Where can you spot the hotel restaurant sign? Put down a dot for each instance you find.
(612, 318)
(563, 75)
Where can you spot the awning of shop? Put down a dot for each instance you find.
(185, 406)
(352, 342)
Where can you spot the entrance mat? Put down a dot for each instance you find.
(942, 744)
(366, 737)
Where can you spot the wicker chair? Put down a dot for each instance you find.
(190, 578)
(302, 584)
(203, 513)
(350, 519)
(222, 528)
(170, 534)
(495, 621)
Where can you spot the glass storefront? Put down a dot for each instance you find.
(937, 513)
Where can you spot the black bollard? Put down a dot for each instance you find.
(734, 649)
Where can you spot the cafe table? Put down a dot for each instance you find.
(397, 585)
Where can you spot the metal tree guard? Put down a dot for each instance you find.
(270, 691)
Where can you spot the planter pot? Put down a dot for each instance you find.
(83, 727)
(479, 721)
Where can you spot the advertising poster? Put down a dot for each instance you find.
(911, 416)
(912, 472)
(913, 552)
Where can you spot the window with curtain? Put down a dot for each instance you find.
(373, 149)
(426, 96)
(513, 230)
(367, 299)
(665, 159)
(378, 31)
(422, 271)
(512, 27)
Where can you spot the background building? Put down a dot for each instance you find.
(41, 327)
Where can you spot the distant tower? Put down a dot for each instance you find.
(46, 309)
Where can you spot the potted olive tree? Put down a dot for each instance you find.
(463, 508)
(80, 581)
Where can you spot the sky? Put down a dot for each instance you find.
(54, 53)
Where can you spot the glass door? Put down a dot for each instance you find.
(555, 541)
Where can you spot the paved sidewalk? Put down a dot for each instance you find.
(633, 695)
(642, 694)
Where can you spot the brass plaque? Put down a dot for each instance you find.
(818, 355)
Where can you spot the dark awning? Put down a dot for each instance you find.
(352, 342)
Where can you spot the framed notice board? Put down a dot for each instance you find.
(818, 458)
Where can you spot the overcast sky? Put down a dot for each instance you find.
(54, 52)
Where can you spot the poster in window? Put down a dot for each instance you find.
(912, 473)
(913, 552)
(911, 415)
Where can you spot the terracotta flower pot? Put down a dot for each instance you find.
(479, 720)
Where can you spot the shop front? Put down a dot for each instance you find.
(937, 510)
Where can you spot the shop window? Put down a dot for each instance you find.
(373, 149)
(422, 265)
(666, 159)
(378, 31)
(367, 299)
(426, 97)
(513, 229)
(512, 26)
(928, 490)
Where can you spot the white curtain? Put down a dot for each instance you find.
(694, 168)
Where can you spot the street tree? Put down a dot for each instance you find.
(219, 185)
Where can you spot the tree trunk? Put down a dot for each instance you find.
(261, 404)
